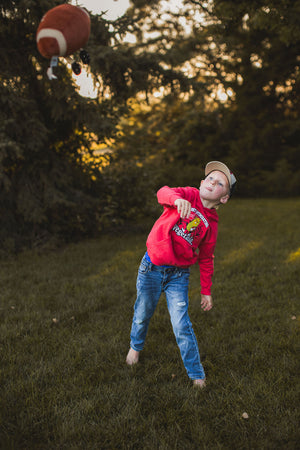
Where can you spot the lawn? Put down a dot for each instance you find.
(65, 324)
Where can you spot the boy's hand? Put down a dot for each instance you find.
(206, 302)
(183, 207)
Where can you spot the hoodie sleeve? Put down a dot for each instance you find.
(206, 266)
(166, 196)
(206, 258)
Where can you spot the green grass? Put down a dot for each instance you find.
(64, 383)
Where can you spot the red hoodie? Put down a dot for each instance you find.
(182, 242)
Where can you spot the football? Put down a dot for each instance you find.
(63, 30)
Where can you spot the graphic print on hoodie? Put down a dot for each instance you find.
(193, 228)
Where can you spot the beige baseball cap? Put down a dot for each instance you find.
(217, 165)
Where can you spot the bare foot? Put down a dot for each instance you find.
(132, 357)
(200, 383)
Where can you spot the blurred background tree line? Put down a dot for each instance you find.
(209, 80)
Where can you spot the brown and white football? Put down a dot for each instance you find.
(63, 30)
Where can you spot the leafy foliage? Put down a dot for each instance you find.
(43, 129)
(250, 53)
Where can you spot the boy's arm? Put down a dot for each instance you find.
(175, 197)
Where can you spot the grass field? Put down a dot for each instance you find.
(65, 324)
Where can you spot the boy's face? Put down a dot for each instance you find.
(215, 188)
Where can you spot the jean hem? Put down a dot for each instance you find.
(197, 378)
(134, 348)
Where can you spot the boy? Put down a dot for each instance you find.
(184, 234)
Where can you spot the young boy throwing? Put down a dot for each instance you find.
(184, 234)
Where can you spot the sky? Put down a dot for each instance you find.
(114, 8)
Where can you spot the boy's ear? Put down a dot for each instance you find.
(224, 199)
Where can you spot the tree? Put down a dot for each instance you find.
(260, 42)
(249, 53)
(47, 129)
(44, 127)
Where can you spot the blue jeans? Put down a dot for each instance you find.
(152, 280)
